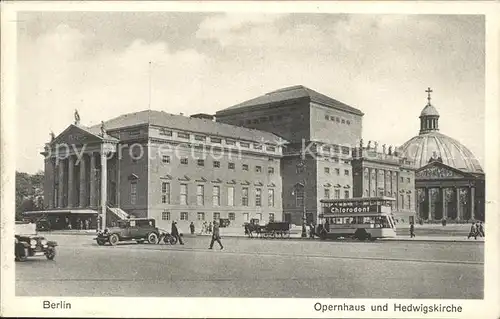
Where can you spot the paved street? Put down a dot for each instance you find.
(257, 268)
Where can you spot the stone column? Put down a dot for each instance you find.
(71, 181)
(83, 182)
(472, 195)
(51, 195)
(92, 177)
(457, 199)
(429, 204)
(104, 181)
(443, 202)
(60, 189)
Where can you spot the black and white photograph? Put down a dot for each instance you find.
(345, 160)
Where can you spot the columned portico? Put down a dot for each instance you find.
(83, 182)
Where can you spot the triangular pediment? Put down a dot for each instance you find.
(437, 170)
(75, 135)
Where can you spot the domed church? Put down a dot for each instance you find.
(449, 180)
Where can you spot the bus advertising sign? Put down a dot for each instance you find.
(354, 209)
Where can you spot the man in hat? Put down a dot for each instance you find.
(215, 236)
(175, 233)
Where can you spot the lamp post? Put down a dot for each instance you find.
(301, 166)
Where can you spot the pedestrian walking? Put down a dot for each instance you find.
(215, 236)
(175, 233)
(210, 227)
(473, 231)
(191, 226)
(481, 229)
(412, 230)
(311, 230)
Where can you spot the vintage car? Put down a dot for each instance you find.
(138, 229)
(28, 243)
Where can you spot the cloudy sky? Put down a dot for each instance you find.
(202, 62)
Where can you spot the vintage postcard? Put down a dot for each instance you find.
(250, 159)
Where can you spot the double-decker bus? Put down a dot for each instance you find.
(364, 218)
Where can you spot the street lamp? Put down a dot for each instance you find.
(301, 166)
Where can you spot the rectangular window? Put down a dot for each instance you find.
(346, 194)
(271, 217)
(165, 193)
(258, 216)
(134, 133)
(402, 179)
(244, 167)
(244, 196)
(327, 117)
(184, 194)
(336, 148)
(408, 179)
(183, 135)
(270, 148)
(133, 193)
(299, 196)
(270, 170)
(337, 194)
(402, 205)
(346, 172)
(216, 196)
(201, 162)
(326, 149)
(337, 171)
(165, 215)
(230, 196)
(231, 216)
(201, 216)
(327, 193)
(270, 197)
(409, 201)
(244, 144)
(200, 138)
(216, 164)
(245, 217)
(343, 121)
(230, 142)
(327, 170)
(258, 197)
(258, 169)
(165, 132)
(215, 140)
(257, 146)
(165, 159)
(184, 160)
(345, 150)
(200, 195)
(216, 216)
(184, 216)
(230, 165)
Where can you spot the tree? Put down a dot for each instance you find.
(29, 192)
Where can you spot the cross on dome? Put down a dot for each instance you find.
(429, 91)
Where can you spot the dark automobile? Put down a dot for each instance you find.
(138, 229)
(29, 244)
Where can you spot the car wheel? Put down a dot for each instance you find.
(24, 255)
(101, 242)
(172, 240)
(113, 239)
(153, 238)
(50, 254)
(361, 234)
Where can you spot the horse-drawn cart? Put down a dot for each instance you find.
(270, 230)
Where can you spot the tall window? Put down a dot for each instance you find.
(244, 196)
(327, 170)
(402, 205)
(230, 196)
(200, 195)
(201, 216)
(327, 193)
(337, 171)
(201, 162)
(216, 216)
(245, 217)
(346, 194)
(231, 216)
(184, 160)
(346, 172)
(184, 194)
(409, 201)
(299, 196)
(270, 170)
(230, 165)
(216, 164)
(184, 216)
(165, 193)
(258, 197)
(270, 197)
(133, 193)
(165, 159)
(258, 216)
(337, 194)
(216, 196)
(258, 169)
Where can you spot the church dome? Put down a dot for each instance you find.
(434, 146)
(429, 110)
(430, 145)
